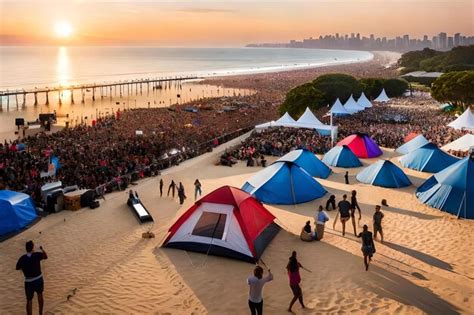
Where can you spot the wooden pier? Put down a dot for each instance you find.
(139, 84)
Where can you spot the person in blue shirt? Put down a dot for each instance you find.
(321, 219)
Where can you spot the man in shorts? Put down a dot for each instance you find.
(378, 216)
(30, 264)
(344, 208)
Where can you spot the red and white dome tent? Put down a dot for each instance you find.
(227, 222)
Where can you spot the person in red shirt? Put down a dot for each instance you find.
(293, 268)
(30, 264)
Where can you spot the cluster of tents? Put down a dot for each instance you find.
(352, 106)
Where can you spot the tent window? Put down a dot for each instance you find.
(210, 224)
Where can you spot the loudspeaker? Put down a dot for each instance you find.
(19, 122)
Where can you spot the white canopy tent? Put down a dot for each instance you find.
(352, 107)
(338, 109)
(363, 101)
(309, 118)
(283, 121)
(465, 121)
(462, 144)
(382, 98)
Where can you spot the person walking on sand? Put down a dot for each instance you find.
(161, 187)
(197, 188)
(321, 219)
(344, 208)
(172, 186)
(181, 194)
(331, 203)
(378, 216)
(293, 269)
(346, 178)
(354, 207)
(368, 246)
(256, 283)
(30, 264)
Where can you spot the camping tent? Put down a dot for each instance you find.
(413, 144)
(226, 222)
(462, 144)
(307, 161)
(363, 101)
(283, 183)
(17, 210)
(410, 136)
(352, 107)
(362, 145)
(338, 109)
(385, 174)
(465, 121)
(341, 156)
(382, 98)
(428, 158)
(452, 189)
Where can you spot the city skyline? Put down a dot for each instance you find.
(213, 23)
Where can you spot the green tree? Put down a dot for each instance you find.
(300, 97)
(455, 87)
(337, 85)
(371, 87)
(395, 87)
(410, 61)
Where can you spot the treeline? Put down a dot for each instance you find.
(457, 59)
(325, 89)
(455, 87)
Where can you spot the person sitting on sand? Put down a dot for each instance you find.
(331, 203)
(368, 246)
(256, 283)
(321, 219)
(306, 234)
(344, 207)
(378, 216)
(293, 269)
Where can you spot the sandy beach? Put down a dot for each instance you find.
(100, 264)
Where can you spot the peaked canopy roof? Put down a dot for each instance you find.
(412, 145)
(285, 119)
(283, 183)
(452, 189)
(309, 118)
(352, 107)
(362, 145)
(382, 98)
(385, 174)
(226, 222)
(428, 158)
(363, 101)
(338, 108)
(465, 121)
(307, 161)
(341, 156)
(462, 144)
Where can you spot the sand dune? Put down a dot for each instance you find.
(100, 264)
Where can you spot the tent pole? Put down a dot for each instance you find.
(332, 131)
(292, 187)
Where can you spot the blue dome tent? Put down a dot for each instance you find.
(307, 161)
(283, 183)
(428, 158)
(413, 144)
(17, 211)
(383, 173)
(341, 156)
(452, 189)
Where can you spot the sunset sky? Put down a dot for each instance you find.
(222, 22)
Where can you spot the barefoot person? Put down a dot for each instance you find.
(30, 264)
(197, 188)
(368, 246)
(321, 219)
(256, 283)
(354, 207)
(344, 208)
(378, 216)
(293, 268)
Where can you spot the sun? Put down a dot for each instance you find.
(63, 29)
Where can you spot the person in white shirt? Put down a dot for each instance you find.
(256, 283)
(321, 218)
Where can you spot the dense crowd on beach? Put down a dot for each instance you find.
(112, 152)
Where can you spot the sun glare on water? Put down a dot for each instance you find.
(63, 29)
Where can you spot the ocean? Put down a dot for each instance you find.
(30, 67)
